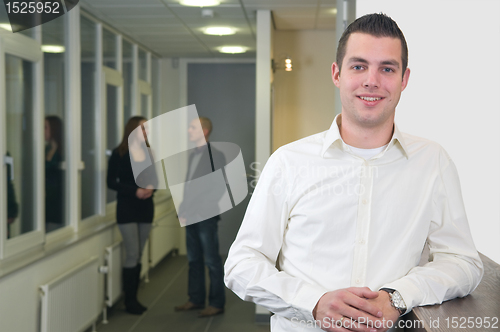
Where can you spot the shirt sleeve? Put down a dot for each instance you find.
(454, 269)
(113, 178)
(250, 269)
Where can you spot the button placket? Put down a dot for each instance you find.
(362, 225)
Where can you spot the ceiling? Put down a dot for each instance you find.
(173, 30)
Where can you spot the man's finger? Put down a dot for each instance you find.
(363, 292)
(362, 318)
(363, 308)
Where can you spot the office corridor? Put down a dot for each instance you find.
(167, 287)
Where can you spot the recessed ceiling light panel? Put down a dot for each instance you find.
(200, 3)
(219, 31)
(233, 49)
(53, 48)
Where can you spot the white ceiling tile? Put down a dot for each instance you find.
(167, 27)
(144, 11)
(121, 2)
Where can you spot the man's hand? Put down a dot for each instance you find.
(383, 301)
(354, 304)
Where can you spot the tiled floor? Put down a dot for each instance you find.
(167, 288)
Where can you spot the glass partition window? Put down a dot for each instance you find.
(20, 148)
(109, 49)
(113, 130)
(53, 58)
(127, 80)
(155, 73)
(143, 65)
(89, 185)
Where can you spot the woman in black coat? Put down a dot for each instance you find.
(134, 208)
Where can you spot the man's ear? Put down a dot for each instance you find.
(205, 133)
(406, 78)
(336, 74)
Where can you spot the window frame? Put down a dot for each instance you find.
(28, 49)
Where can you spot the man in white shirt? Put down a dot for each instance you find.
(336, 226)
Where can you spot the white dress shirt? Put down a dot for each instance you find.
(322, 218)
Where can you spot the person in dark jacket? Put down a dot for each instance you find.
(134, 210)
(202, 240)
(12, 206)
(53, 173)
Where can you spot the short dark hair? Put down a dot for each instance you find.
(56, 131)
(206, 124)
(377, 25)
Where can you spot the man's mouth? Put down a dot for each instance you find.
(370, 98)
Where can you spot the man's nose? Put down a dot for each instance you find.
(372, 79)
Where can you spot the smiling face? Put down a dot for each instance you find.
(371, 81)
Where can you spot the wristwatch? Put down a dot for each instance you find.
(396, 300)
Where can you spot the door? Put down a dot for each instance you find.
(225, 93)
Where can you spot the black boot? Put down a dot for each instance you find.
(138, 278)
(130, 287)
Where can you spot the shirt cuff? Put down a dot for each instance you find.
(305, 301)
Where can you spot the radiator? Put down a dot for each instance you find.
(113, 276)
(71, 301)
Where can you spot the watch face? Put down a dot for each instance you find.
(398, 301)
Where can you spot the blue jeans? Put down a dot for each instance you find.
(202, 243)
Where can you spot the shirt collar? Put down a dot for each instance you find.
(200, 149)
(332, 135)
(333, 138)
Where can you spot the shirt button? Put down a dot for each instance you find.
(362, 241)
(358, 281)
(365, 201)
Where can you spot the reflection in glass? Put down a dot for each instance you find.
(20, 145)
(143, 65)
(127, 80)
(155, 73)
(54, 188)
(112, 131)
(12, 205)
(89, 185)
(53, 35)
(109, 48)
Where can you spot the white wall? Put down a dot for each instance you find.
(263, 86)
(304, 97)
(170, 90)
(452, 96)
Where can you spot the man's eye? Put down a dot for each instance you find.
(388, 70)
(357, 67)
